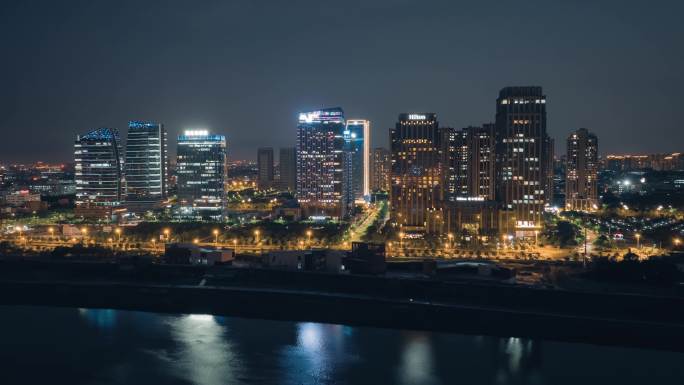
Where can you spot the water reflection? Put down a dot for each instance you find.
(149, 348)
(205, 356)
(416, 361)
(518, 360)
(319, 350)
(100, 318)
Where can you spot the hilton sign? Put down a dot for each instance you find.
(417, 117)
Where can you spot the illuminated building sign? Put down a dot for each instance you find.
(417, 117)
(334, 115)
(470, 199)
(196, 132)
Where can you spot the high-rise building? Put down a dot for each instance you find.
(381, 163)
(581, 171)
(468, 167)
(146, 165)
(482, 175)
(201, 168)
(455, 164)
(415, 146)
(98, 168)
(357, 149)
(287, 163)
(524, 159)
(265, 175)
(320, 163)
(468, 161)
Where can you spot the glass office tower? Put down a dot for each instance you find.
(146, 165)
(357, 146)
(201, 169)
(320, 163)
(97, 163)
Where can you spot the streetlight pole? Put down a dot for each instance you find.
(256, 238)
(585, 246)
(216, 234)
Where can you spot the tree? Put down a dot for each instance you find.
(566, 233)
(602, 241)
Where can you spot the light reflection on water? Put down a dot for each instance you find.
(121, 347)
(204, 357)
(417, 362)
(100, 318)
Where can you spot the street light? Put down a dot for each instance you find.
(118, 234)
(84, 231)
(195, 241)
(638, 237)
(51, 231)
(256, 236)
(167, 232)
(216, 234)
(308, 235)
(536, 234)
(677, 241)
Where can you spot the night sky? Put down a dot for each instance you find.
(245, 68)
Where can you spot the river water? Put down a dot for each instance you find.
(44, 345)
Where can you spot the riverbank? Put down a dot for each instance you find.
(421, 304)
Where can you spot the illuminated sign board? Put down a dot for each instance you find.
(417, 117)
(196, 132)
(320, 116)
(470, 199)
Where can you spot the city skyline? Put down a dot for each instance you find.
(342, 192)
(235, 82)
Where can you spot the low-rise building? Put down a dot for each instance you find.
(366, 258)
(191, 254)
(304, 260)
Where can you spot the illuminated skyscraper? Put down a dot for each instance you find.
(524, 159)
(469, 173)
(265, 175)
(415, 146)
(481, 161)
(98, 161)
(381, 163)
(146, 165)
(357, 148)
(581, 171)
(455, 163)
(288, 169)
(320, 158)
(201, 168)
